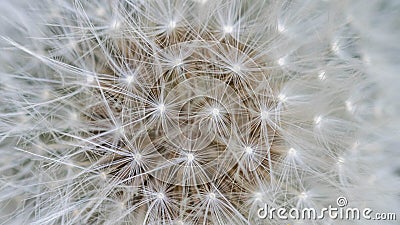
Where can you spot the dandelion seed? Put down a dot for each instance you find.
(340, 160)
(228, 29)
(303, 195)
(215, 112)
(322, 75)
(161, 108)
(160, 196)
(120, 130)
(177, 62)
(212, 196)
(190, 157)
(281, 28)
(349, 106)
(89, 79)
(317, 120)
(129, 79)
(264, 115)
(236, 68)
(282, 61)
(137, 157)
(248, 150)
(292, 152)
(172, 25)
(335, 47)
(282, 97)
(258, 196)
(115, 24)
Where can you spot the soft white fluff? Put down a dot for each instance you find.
(196, 111)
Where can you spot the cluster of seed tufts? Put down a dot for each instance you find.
(183, 111)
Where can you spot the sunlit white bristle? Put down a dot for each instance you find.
(228, 29)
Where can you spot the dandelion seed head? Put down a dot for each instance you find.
(154, 111)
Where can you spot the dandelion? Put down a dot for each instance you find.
(195, 111)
